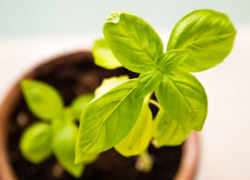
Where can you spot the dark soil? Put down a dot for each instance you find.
(74, 75)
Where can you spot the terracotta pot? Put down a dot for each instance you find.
(191, 149)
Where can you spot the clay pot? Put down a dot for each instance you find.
(190, 152)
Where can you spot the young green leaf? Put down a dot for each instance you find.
(148, 80)
(35, 143)
(208, 34)
(138, 139)
(167, 132)
(79, 104)
(64, 140)
(107, 120)
(103, 56)
(43, 100)
(171, 60)
(132, 40)
(183, 98)
(109, 83)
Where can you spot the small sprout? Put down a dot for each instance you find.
(58, 136)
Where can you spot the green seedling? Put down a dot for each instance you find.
(56, 132)
(121, 118)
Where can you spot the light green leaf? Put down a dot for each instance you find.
(167, 132)
(64, 148)
(79, 104)
(208, 34)
(132, 40)
(35, 143)
(183, 98)
(138, 139)
(109, 83)
(148, 80)
(43, 100)
(107, 120)
(171, 60)
(103, 56)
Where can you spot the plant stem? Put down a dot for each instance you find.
(155, 103)
(144, 162)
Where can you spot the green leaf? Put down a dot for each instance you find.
(183, 97)
(138, 139)
(167, 132)
(171, 60)
(79, 104)
(208, 34)
(42, 99)
(35, 143)
(132, 40)
(148, 80)
(107, 120)
(109, 83)
(103, 56)
(64, 148)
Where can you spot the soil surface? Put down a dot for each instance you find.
(73, 75)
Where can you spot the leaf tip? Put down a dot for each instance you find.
(78, 158)
(114, 17)
(25, 83)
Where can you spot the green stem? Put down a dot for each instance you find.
(144, 162)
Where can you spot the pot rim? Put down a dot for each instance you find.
(191, 149)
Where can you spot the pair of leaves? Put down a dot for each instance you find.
(207, 34)
(57, 135)
(199, 41)
(40, 140)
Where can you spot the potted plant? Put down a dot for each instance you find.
(119, 116)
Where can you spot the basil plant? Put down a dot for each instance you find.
(120, 118)
(117, 115)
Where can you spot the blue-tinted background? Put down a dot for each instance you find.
(26, 17)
